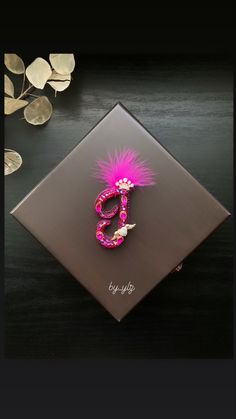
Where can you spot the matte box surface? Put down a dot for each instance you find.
(172, 217)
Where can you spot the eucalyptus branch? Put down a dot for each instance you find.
(25, 92)
(56, 72)
(23, 84)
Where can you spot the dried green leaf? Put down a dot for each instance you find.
(62, 63)
(59, 82)
(8, 86)
(12, 105)
(39, 111)
(12, 161)
(14, 63)
(38, 72)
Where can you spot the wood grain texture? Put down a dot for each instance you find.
(187, 105)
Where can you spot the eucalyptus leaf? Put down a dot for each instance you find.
(62, 63)
(12, 161)
(8, 86)
(38, 72)
(39, 111)
(12, 105)
(59, 82)
(14, 63)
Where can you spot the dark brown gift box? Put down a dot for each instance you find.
(172, 217)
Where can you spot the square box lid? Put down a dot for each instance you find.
(172, 217)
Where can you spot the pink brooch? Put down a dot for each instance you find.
(122, 172)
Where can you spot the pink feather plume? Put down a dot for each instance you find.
(124, 164)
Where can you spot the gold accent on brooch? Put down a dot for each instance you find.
(123, 231)
(125, 184)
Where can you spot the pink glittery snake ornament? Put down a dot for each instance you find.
(122, 172)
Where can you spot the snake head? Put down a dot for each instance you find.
(123, 231)
(130, 226)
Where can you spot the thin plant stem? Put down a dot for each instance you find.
(23, 83)
(25, 92)
(30, 94)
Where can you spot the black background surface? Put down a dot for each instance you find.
(186, 102)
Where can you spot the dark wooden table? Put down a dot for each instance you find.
(187, 104)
